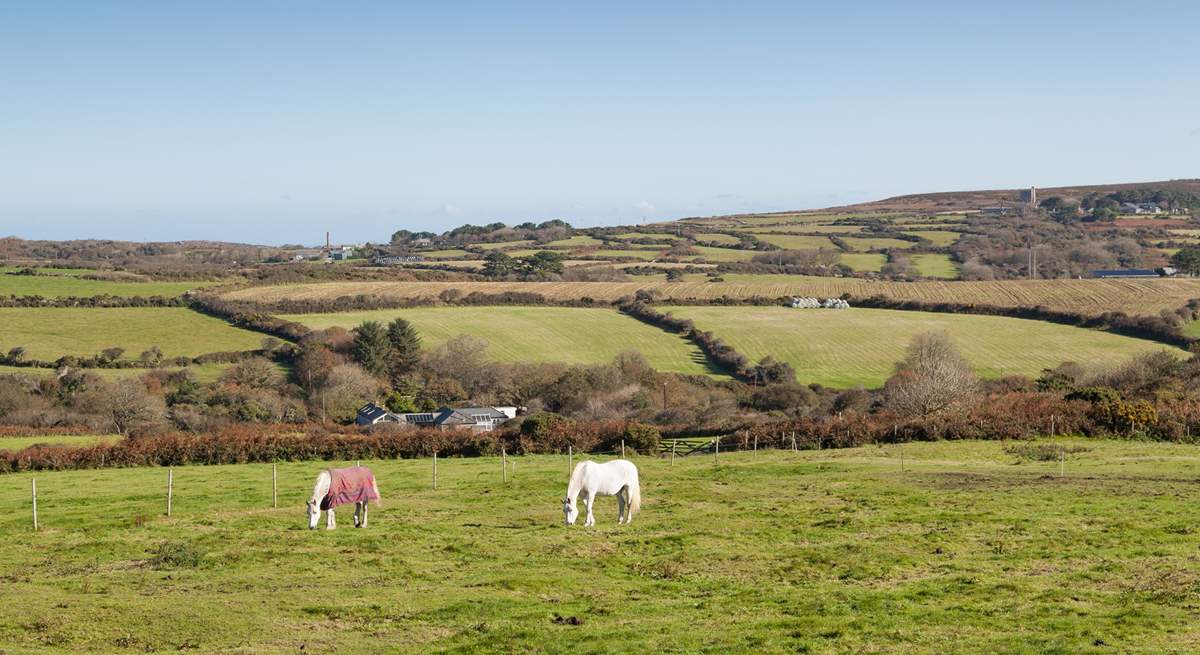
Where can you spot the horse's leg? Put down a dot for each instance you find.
(591, 499)
(621, 507)
(357, 509)
(330, 521)
(366, 504)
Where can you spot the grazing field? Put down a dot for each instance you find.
(59, 286)
(18, 443)
(876, 243)
(1145, 297)
(717, 237)
(863, 261)
(970, 548)
(844, 348)
(646, 254)
(797, 242)
(935, 266)
(49, 333)
(939, 238)
(725, 254)
(568, 335)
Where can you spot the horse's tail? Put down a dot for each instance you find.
(375, 487)
(635, 494)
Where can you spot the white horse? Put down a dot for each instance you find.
(616, 478)
(360, 494)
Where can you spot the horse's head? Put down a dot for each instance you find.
(314, 514)
(569, 510)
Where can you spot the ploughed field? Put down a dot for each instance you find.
(569, 335)
(847, 347)
(969, 549)
(48, 333)
(1135, 297)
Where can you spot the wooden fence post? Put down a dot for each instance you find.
(1062, 461)
(170, 488)
(716, 450)
(794, 442)
(901, 458)
(435, 470)
(622, 449)
(570, 461)
(503, 464)
(674, 442)
(756, 445)
(274, 486)
(33, 484)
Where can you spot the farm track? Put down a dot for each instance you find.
(1135, 297)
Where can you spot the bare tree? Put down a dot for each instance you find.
(345, 389)
(931, 378)
(128, 405)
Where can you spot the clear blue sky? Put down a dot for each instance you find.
(271, 122)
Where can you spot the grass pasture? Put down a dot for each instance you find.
(971, 548)
(64, 285)
(935, 266)
(860, 244)
(844, 348)
(569, 335)
(797, 242)
(863, 261)
(940, 238)
(49, 333)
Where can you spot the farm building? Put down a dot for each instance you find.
(1140, 208)
(476, 419)
(1134, 272)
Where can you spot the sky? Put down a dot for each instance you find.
(273, 122)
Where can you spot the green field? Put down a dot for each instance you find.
(717, 237)
(725, 254)
(876, 243)
(578, 241)
(537, 334)
(844, 348)
(62, 285)
(941, 238)
(863, 261)
(17, 443)
(638, 254)
(49, 333)
(797, 242)
(967, 549)
(935, 266)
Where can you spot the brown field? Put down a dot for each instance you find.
(1145, 297)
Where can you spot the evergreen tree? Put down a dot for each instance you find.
(371, 348)
(405, 350)
(1187, 260)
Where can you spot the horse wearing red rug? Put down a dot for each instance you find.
(335, 487)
